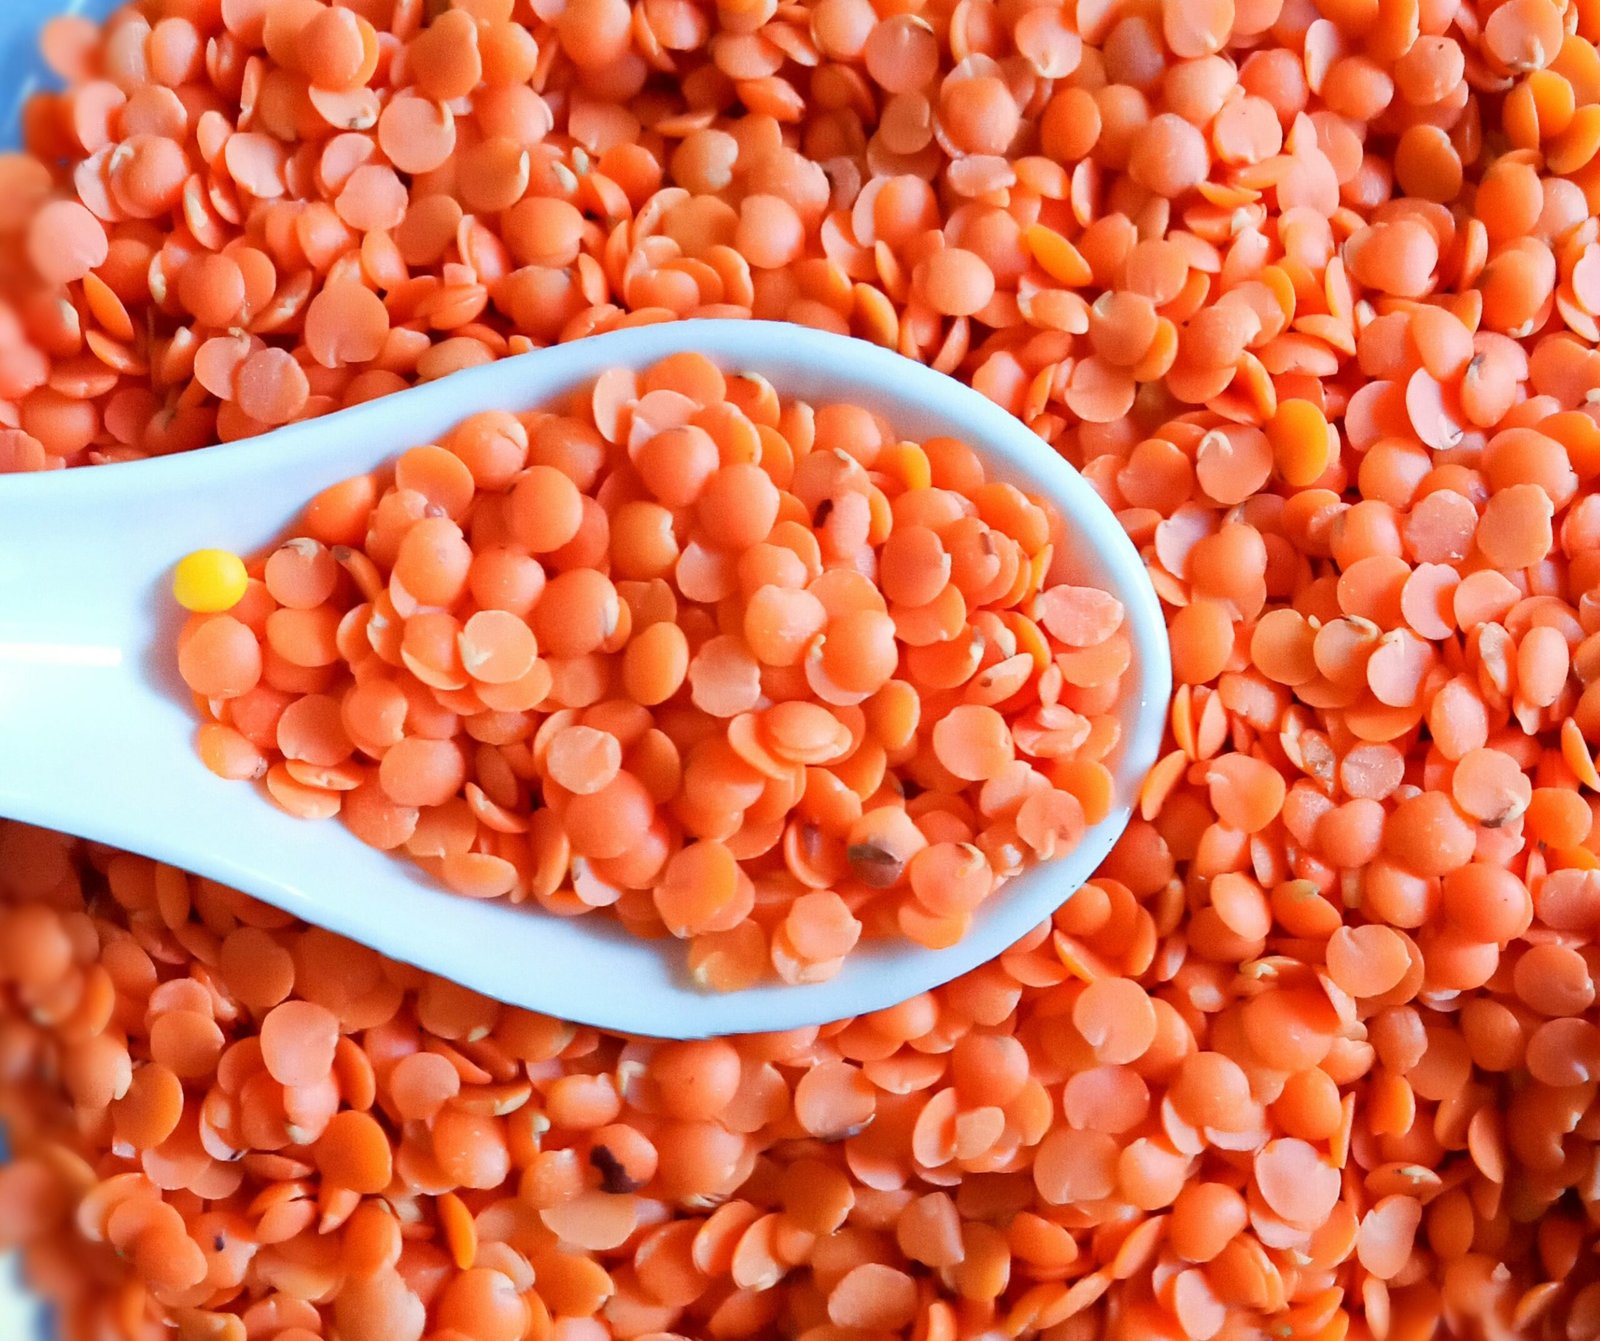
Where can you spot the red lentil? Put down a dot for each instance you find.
(1366, 234)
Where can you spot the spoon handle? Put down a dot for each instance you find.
(78, 619)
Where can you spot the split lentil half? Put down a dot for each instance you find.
(1308, 289)
(755, 674)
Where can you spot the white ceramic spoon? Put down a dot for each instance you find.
(97, 731)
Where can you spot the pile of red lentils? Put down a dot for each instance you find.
(732, 668)
(1307, 289)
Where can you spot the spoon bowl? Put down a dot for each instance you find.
(97, 730)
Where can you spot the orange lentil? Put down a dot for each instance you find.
(221, 658)
(1362, 234)
(954, 281)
